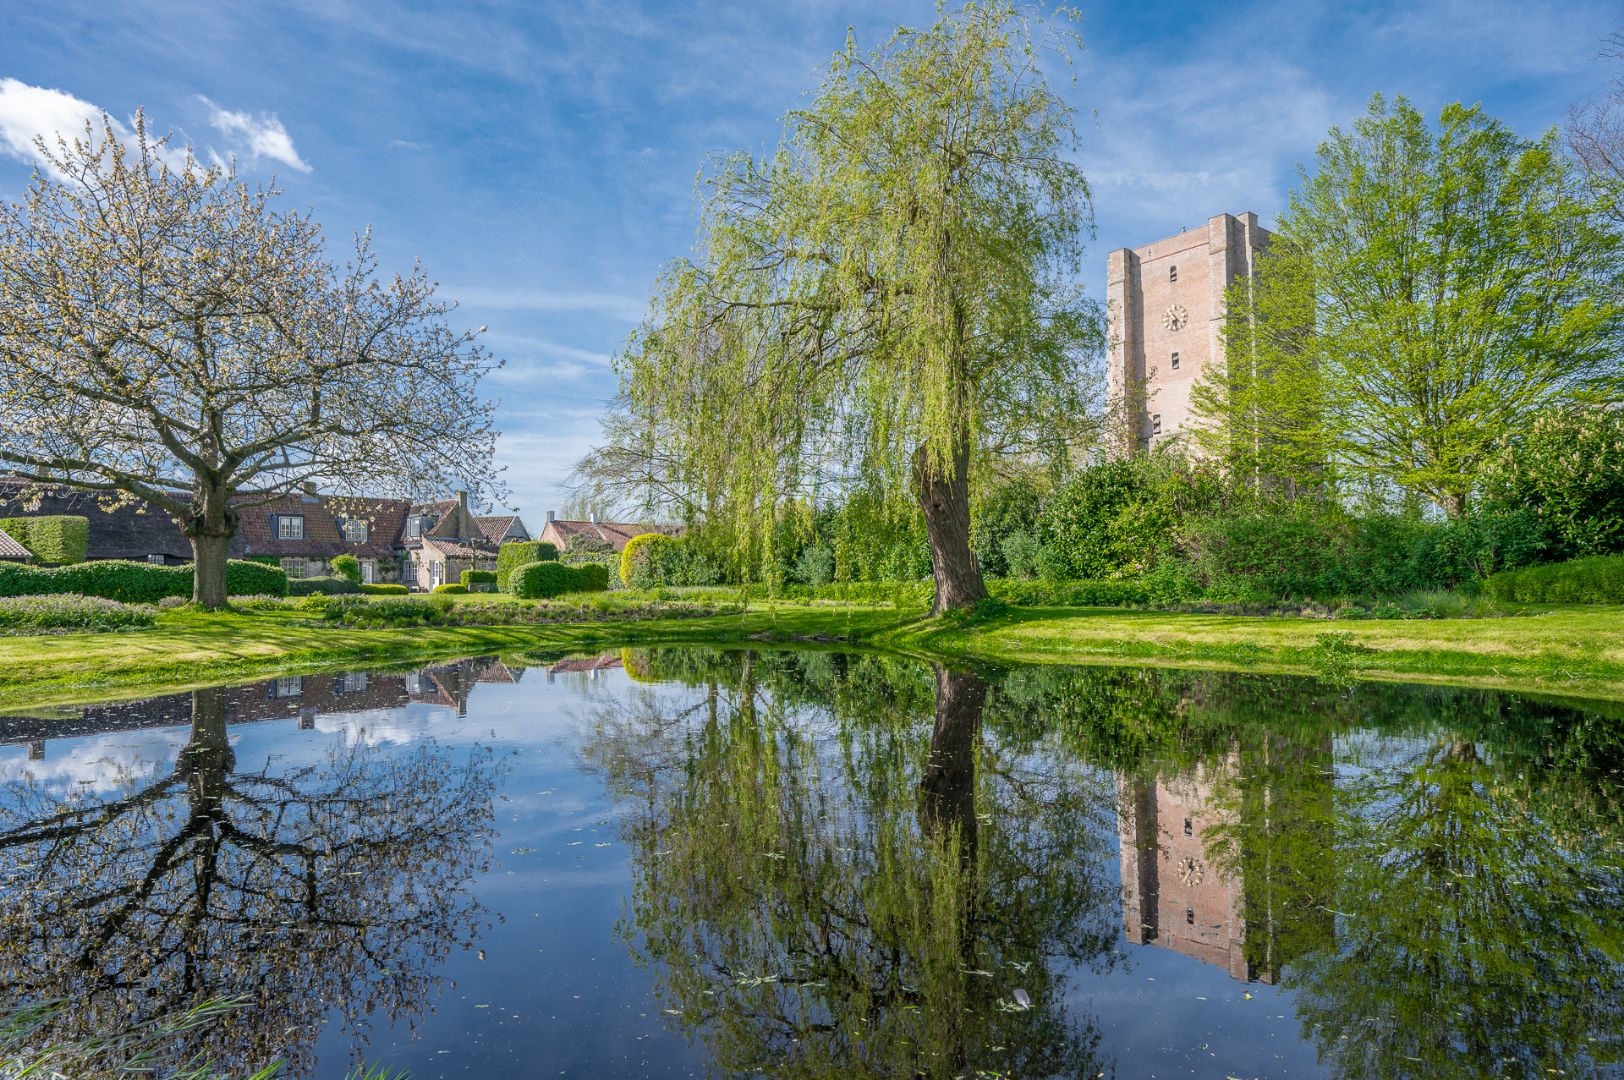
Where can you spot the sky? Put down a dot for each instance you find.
(539, 157)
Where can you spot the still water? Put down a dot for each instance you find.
(691, 863)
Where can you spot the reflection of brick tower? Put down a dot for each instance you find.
(1165, 303)
(1172, 894)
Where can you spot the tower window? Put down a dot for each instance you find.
(1189, 916)
(1175, 361)
(1189, 827)
(1172, 273)
(1156, 424)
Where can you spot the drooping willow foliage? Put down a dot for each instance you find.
(888, 298)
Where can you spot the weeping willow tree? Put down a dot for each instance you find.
(884, 303)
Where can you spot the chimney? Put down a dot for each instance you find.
(552, 514)
(309, 487)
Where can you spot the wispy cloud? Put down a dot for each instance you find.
(262, 136)
(626, 308)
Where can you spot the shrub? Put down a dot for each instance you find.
(53, 540)
(384, 590)
(1598, 579)
(539, 581)
(131, 582)
(638, 566)
(247, 577)
(1567, 471)
(815, 565)
(1022, 555)
(479, 580)
(325, 586)
(27, 614)
(347, 566)
(1008, 510)
(518, 553)
(452, 588)
(591, 577)
(1479, 544)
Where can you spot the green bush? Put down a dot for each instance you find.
(1476, 545)
(639, 568)
(53, 540)
(1068, 593)
(381, 589)
(539, 580)
(479, 580)
(132, 582)
(29, 614)
(1566, 470)
(247, 577)
(452, 588)
(1009, 510)
(1598, 579)
(347, 566)
(591, 577)
(323, 586)
(518, 553)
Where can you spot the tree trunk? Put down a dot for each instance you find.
(946, 503)
(210, 529)
(948, 788)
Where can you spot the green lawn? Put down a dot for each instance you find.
(1572, 651)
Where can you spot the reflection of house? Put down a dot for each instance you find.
(584, 665)
(301, 697)
(1172, 895)
(577, 537)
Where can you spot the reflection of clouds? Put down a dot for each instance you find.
(99, 763)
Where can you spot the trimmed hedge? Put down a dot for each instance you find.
(516, 553)
(322, 586)
(53, 540)
(479, 580)
(135, 582)
(1598, 579)
(451, 587)
(540, 580)
(381, 589)
(638, 560)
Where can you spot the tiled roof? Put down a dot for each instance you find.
(616, 533)
(11, 549)
(459, 549)
(322, 537)
(131, 531)
(495, 528)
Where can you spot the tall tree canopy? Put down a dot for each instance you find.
(1428, 292)
(169, 335)
(885, 302)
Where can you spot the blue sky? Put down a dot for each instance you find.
(540, 157)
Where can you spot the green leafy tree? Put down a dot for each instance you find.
(887, 301)
(1429, 291)
(1566, 469)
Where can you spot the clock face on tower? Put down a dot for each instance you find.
(1175, 317)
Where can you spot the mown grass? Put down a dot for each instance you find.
(1569, 651)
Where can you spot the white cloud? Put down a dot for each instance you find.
(626, 308)
(29, 112)
(263, 136)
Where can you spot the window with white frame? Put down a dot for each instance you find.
(290, 526)
(295, 567)
(289, 686)
(354, 529)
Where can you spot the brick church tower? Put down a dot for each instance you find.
(1165, 310)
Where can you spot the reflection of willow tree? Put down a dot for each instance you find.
(333, 885)
(828, 890)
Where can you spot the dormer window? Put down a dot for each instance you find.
(1175, 361)
(354, 530)
(414, 526)
(1172, 274)
(290, 526)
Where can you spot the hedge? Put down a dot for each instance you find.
(637, 559)
(473, 579)
(323, 586)
(540, 580)
(135, 582)
(451, 587)
(54, 541)
(1598, 579)
(381, 589)
(516, 553)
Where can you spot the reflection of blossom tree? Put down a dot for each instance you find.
(820, 897)
(333, 885)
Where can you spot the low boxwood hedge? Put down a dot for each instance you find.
(324, 586)
(479, 580)
(134, 582)
(1598, 579)
(538, 581)
(451, 587)
(384, 589)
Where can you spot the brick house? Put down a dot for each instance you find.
(579, 537)
(305, 532)
(442, 539)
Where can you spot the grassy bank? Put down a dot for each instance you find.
(1573, 651)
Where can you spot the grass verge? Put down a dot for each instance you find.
(1574, 652)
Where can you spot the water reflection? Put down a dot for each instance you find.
(833, 866)
(323, 892)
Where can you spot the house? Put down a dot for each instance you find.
(128, 531)
(306, 531)
(11, 550)
(442, 539)
(579, 537)
(503, 530)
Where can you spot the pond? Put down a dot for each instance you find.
(709, 863)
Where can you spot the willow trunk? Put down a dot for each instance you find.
(944, 496)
